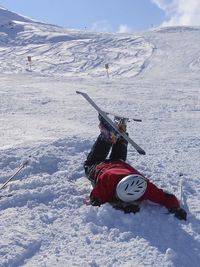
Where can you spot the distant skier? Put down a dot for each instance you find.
(118, 183)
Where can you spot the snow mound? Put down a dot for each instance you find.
(49, 222)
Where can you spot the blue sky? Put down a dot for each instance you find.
(109, 15)
(98, 15)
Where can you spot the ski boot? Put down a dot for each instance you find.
(121, 123)
(107, 131)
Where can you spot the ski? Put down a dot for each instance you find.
(104, 115)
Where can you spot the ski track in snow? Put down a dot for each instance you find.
(45, 221)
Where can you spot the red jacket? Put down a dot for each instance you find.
(108, 174)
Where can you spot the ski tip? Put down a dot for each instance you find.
(80, 93)
(141, 152)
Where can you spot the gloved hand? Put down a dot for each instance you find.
(95, 202)
(179, 213)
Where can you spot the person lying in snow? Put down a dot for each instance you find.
(116, 182)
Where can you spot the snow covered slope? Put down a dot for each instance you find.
(154, 76)
(176, 52)
(55, 50)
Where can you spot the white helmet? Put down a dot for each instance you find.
(131, 187)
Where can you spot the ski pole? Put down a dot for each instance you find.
(181, 187)
(17, 171)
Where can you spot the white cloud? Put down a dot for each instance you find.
(104, 26)
(101, 26)
(123, 28)
(180, 12)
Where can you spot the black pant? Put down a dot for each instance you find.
(100, 151)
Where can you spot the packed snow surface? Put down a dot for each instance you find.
(153, 76)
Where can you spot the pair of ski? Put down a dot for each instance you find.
(111, 123)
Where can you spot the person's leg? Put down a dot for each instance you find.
(97, 154)
(99, 151)
(119, 150)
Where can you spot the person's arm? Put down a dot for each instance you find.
(98, 195)
(170, 201)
